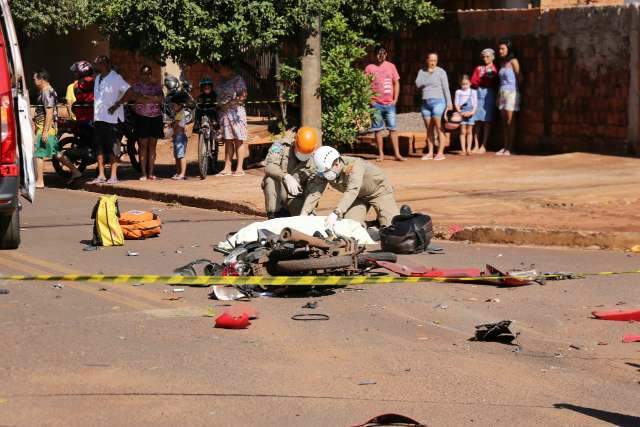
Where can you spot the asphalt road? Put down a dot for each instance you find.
(120, 355)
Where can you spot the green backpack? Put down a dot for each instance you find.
(106, 225)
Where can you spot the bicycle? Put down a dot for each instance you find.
(208, 147)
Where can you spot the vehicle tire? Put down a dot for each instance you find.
(365, 259)
(63, 145)
(213, 156)
(306, 265)
(10, 230)
(203, 153)
(132, 152)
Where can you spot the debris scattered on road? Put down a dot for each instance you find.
(442, 306)
(619, 315)
(603, 343)
(367, 382)
(178, 289)
(391, 420)
(311, 305)
(132, 253)
(58, 286)
(115, 307)
(226, 293)
(495, 332)
(138, 284)
(228, 321)
(631, 338)
(492, 300)
(4, 291)
(635, 248)
(90, 248)
(310, 316)
(621, 303)
(499, 255)
(102, 289)
(575, 347)
(172, 299)
(178, 251)
(123, 338)
(210, 312)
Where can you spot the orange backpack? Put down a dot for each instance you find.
(140, 225)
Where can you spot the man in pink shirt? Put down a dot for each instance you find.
(386, 89)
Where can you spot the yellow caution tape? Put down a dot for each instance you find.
(286, 280)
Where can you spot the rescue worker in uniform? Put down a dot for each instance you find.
(363, 186)
(289, 168)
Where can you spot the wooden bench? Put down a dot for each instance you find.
(408, 142)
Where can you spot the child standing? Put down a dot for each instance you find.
(179, 141)
(466, 103)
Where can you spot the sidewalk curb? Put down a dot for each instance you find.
(537, 237)
(192, 201)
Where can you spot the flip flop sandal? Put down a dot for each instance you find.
(112, 181)
(238, 173)
(223, 174)
(98, 180)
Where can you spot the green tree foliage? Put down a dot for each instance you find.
(35, 17)
(207, 30)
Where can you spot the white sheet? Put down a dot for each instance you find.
(305, 224)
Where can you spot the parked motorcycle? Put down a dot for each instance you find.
(75, 141)
(177, 92)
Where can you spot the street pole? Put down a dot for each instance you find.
(311, 71)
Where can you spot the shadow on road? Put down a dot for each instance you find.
(610, 417)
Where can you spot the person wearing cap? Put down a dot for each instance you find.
(80, 98)
(288, 170)
(363, 185)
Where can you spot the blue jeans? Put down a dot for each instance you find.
(179, 145)
(433, 107)
(384, 115)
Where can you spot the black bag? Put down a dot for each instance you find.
(409, 233)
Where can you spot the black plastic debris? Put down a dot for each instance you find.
(495, 332)
(4, 291)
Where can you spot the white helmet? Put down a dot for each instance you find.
(324, 157)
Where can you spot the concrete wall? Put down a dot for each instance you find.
(580, 68)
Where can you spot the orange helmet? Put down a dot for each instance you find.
(306, 142)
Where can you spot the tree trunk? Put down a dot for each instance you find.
(310, 96)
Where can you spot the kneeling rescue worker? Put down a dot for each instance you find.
(363, 184)
(288, 170)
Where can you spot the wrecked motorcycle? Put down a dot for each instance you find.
(292, 253)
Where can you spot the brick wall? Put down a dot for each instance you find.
(575, 63)
(128, 65)
(548, 4)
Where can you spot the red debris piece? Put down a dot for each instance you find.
(631, 338)
(620, 315)
(240, 309)
(498, 278)
(229, 321)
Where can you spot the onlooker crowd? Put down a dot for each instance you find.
(473, 110)
(96, 105)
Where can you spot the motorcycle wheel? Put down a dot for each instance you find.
(203, 152)
(366, 260)
(132, 152)
(65, 144)
(213, 155)
(310, 265)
